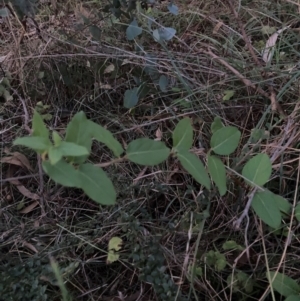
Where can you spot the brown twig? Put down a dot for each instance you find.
(26, 114)
(237, 223)
(41, 188)
(105, 164)
(18, 178)
(274, 104)
(245, 37)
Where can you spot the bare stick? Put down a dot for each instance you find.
(245, 37)
(41, 188)
(275, 105)
(26, 115)
(237, 223)
(18, 178)
(105, 164)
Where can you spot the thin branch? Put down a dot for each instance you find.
(114, 161)
(275, 105)
(26, 114)
(237, 223)
(41, 188)
(18, 178)
(245, 37)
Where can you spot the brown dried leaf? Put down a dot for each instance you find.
(29, 208)
(18, 159)
(36, 223)
(82, 13)
(109, 69)
(217, 27)
(158, 135)
(27, 193)
(19, 186)
(30, 246)
(9, 175)
(105, 86)
(269, 49)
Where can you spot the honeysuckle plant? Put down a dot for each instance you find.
(64, 160)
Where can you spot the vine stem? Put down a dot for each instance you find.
(114, 161)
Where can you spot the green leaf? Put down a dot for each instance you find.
(246, 281)
(38, 126)
(164, 34)
(66, 149)
(283, 284)
(133, 30)
(217, 260)
(78, 132)
(96, 184)
(47, 117)
(143, 90)
(216, 125)
(163, 83)
(147, 152)
(220, 264)
(211, 257)
(54, 154)
(24, 8)
(62, 173)
(156, 35)
(72, 149)
(36, 143)
(228, 94)
(150, 65)
(297, 212)
(268, 30)
(102, 135)
(265, 207)
(4, 12)
(56, 138)
(231, 245)
(199, 271)
(257, 134)
(131, 98)
(282, 204)
(217, 171)
(183, 135)
(293, 298)
(192, 164)
(173, 9)
(95, 32)
(258, 169)
(225, 140)
(240, 281)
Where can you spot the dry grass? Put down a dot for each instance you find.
(161, 211)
